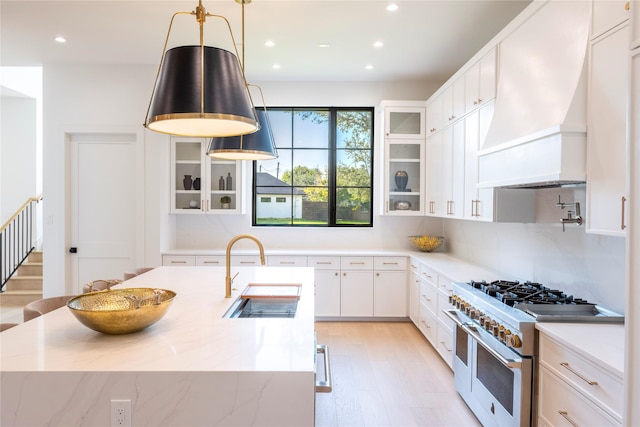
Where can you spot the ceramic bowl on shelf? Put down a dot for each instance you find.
(402, 205)
(426, 243)
(121, 311)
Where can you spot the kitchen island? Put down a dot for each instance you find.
(192, 368)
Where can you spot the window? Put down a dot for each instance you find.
(323, 175)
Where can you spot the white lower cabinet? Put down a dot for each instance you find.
(432, 296)
(390, 287)
(356, 286)
(575, 391)
(414, 292)
(327, 281)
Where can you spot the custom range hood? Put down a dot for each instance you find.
(537, 137)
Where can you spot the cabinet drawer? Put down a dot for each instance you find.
(414, 266)
(445, 343)
(324, 262)
(605, 387)
(245, 260)
(560, 404)
(429, 297)
(356, 263)
(178, 260)
(428, 324)
(210, 260)
(287, 261)
(445, 284)
(429, 275)
(390, 263)
(443, 304)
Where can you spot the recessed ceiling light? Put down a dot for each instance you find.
(276, 66)
(378, 44)
(324, 45)
(368, 67)
(269, 43)
(60, 39)
(392, 7)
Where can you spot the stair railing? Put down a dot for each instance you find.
(17, 239)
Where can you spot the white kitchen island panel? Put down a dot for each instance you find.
(193, 367)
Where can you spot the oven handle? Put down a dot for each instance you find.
(471, 330)
(324, 386)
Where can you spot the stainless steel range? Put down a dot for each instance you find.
(495, 344)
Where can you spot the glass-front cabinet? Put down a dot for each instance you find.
(404, 177)
(404, 122)
(201, 184)
(403, 133)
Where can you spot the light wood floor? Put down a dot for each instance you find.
(387, 374)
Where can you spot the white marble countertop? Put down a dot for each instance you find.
(192, 336)
(603, 344)
(455, 269)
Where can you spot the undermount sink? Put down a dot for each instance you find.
(266, 300)
(262, 307)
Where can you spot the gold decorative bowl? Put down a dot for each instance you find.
(426, 243)
(121, 311)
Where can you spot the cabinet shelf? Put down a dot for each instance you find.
(189, 157)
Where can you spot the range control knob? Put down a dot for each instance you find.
(496, 329)
(487, 322)
(472, 312)
(502, 333)
(514, 341)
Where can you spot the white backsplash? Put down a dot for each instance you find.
(586, 265)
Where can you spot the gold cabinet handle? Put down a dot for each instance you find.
(622, 225)
(565, 415)
(578, 374)
(627, 6)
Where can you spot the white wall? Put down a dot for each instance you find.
(96, 99)
(18, 153)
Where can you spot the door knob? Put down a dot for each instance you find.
(73, 250)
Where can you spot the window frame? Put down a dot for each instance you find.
(332, 165)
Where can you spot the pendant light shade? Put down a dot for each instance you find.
(256, 146)
(182, 104)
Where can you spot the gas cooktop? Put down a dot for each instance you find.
(545, 304)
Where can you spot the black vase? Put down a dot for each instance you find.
(187, 182)
(402, 178)
(196, 184)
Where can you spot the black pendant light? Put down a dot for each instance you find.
(256, 146)
(183, 103)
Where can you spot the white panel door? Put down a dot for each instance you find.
(103, 210)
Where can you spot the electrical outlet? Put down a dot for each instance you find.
(120, 413)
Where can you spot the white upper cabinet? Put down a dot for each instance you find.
(607, 136)
(607, 14)
(200, 184)
(480, 82)
(478, 202)
(435, 116)
(453, 102)
(404, 122)
(453, 170)
(433, 160)
(403, 158)
(404, 177)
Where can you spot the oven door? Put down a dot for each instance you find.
(494, 381)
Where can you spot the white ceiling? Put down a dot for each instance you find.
(423, 40)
